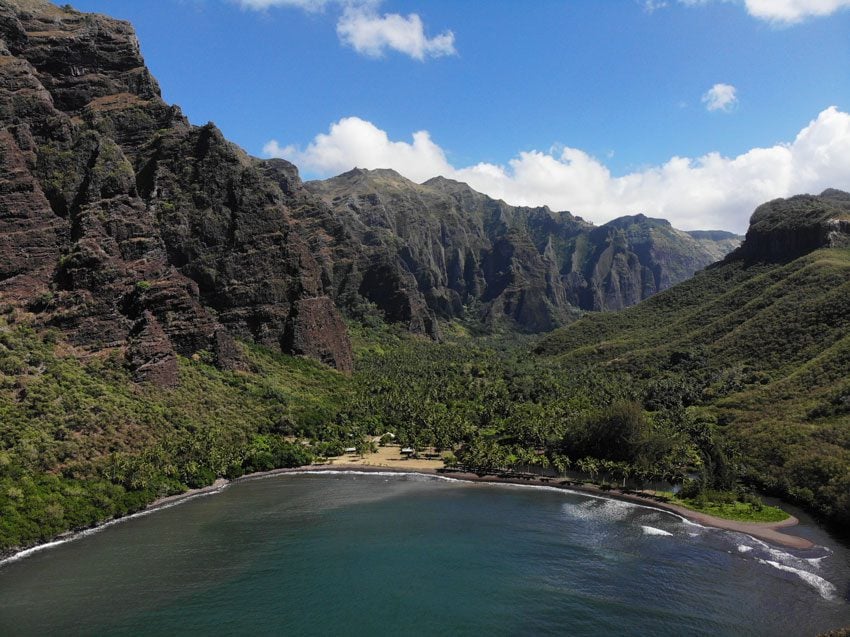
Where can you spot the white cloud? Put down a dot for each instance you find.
(791, 11)
(354, 142)
(720, 97)
(783, 11)
(365, 30)
(651, 6)
(711, 191)
(371, 34)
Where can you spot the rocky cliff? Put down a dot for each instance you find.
(784, 229)
(456, 249)
(129, 228)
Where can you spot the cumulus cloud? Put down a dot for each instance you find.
(783, 11)
(720, 97)
(353, 142)
(711, 191)
(371, 33)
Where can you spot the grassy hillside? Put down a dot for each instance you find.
(81, 442)
(763, 348)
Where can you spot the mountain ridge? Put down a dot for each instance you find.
(513, 257)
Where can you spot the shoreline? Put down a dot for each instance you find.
(766, 531)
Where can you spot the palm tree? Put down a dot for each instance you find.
(625, 471)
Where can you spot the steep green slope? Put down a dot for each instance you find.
(761, 341)
(81, 442)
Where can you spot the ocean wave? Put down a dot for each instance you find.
(651, 530)
(791, 560)
(603, 510)
(826, 589)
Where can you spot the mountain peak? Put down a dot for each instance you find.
(372, 173)
(637, 219)
(785, 229)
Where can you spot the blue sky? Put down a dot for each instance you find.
(599, 107)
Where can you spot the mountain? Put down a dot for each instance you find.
(127, 227)
(530, 267)
(759, 341)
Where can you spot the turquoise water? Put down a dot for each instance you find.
(413, 555)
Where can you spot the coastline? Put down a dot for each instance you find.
(766, 531)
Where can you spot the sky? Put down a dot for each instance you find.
(692, 110)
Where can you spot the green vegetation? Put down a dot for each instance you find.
(731, 382)
(761, 350)
(740, 511)
(730, 505)
(80, 442)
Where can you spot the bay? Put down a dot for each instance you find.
(360, 554)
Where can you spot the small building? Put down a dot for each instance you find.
(408, 451)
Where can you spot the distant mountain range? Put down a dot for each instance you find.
(441, 248)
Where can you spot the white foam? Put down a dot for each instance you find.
(782, 556)
(651, 530)
(826, 589)
(601, 509)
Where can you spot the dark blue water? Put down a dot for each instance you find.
(411, 555)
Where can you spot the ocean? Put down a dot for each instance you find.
(371, 554)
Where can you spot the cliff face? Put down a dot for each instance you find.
(455, 248)
(785, 229)
(128, 227)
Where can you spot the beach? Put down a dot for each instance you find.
(768, 531)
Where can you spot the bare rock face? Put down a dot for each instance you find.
(150, 354)
(440, 248)
(316, 330)
(126, 226)
(785, 229)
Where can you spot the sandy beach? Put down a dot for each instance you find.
(767, 531)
